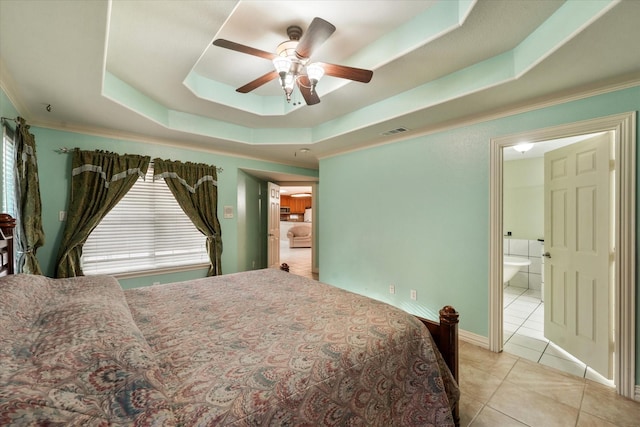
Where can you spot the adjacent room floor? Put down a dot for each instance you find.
(501, 389)
(298, 259)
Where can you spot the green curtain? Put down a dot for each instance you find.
(29, 233)
(98, 181)
(195, 187)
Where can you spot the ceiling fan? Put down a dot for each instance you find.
(292, 65)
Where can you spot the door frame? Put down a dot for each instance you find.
(624, 128)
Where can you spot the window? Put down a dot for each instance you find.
(147, 230)
(8, 172)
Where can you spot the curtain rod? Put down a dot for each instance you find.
(65, 150)
(9, 119)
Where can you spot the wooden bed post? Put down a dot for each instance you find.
(445, 335)
(449, 319)
(7, 224)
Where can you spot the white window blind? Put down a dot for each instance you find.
(8, 172)
(147, 230)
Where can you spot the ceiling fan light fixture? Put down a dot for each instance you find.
(291, 62)
(315, 73)
(523, 147)
(282, 64)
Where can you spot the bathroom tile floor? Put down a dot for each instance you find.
(523, 326)
(502, 389)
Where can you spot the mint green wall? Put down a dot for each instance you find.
(55, 169)
(523, 198)
(6, 107)
(416, 213)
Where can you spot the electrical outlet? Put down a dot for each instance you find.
(392, 289)
(414, 294)
(62, 216)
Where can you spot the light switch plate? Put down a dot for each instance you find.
(228, 212)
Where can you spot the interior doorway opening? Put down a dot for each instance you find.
(296, 229)
(623, 127)
(524, 199)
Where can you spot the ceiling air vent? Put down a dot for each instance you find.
(394, 131)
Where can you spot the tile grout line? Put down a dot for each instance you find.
(548, 344)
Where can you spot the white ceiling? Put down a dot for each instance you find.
(147, 69)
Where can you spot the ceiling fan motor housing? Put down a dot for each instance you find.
(287, 49)
(294, 32)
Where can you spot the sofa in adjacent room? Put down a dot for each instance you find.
(299, 236)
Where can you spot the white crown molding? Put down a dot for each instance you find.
(113, 134)
(8, 85)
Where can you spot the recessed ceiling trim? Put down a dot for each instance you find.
(120, 92)
(569, 20)
(491, 72)
(221, 93)
(441, 18)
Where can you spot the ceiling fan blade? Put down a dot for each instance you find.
(311, 98)
(318, 32)
(244, 49)
(271, 75)
(344, 72)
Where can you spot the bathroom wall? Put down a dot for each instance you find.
(529, 277)
(523, 203)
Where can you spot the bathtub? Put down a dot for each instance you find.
(511, 266)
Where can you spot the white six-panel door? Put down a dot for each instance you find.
(577, 227)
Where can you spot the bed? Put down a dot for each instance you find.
(257, 348)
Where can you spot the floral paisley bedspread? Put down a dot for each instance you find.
(70, 354)
(261, 348)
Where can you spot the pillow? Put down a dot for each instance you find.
(72, 354)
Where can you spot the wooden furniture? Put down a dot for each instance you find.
(296, 205)
(7, 224)
(445, 335)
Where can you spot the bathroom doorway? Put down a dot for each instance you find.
(523, 246)
(623, 128)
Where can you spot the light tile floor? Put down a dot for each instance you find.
(523, 326)
(502, 389)
(298, 259)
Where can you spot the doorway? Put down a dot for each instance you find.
(296, 229)
(623, 128)
(525, 202)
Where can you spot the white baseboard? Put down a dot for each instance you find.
(474, 339)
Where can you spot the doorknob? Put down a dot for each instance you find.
(546, 255)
